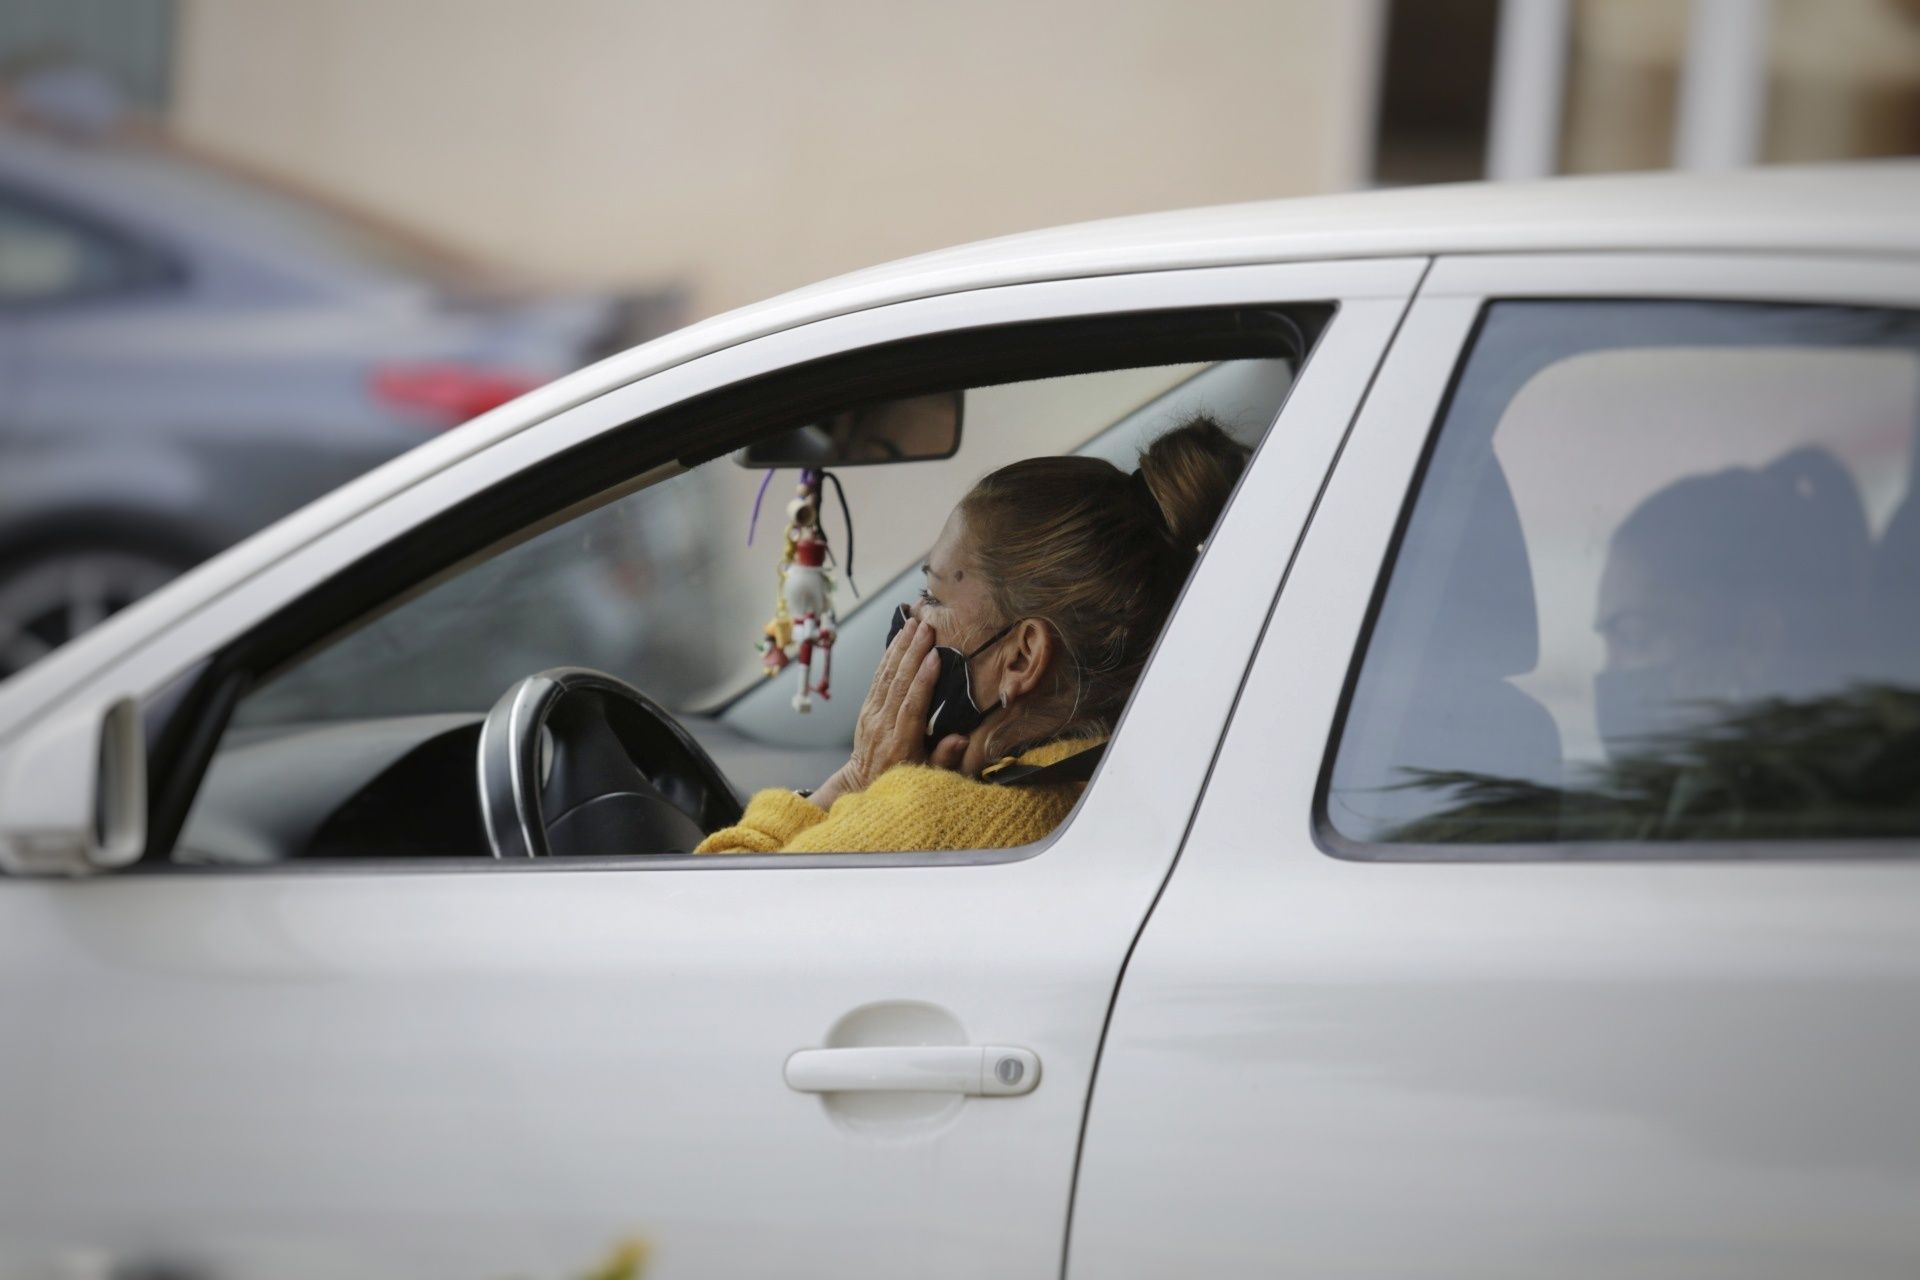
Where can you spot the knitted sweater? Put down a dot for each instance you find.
(909, 807)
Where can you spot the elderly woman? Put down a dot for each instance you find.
(1044, 594)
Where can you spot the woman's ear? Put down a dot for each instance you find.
(1029, 656)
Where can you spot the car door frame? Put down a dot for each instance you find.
(1273, 963)
(182, 966)
(1370, 295)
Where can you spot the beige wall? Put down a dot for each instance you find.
(1843, 81)
(749, 146)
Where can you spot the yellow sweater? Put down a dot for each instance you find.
(909, 807)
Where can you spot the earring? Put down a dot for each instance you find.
(1005, 702)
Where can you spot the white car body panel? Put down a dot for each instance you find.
(505, 1069)
(1375, 1069)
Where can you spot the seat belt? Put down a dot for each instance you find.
(1077, 767)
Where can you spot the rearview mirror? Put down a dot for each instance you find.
(913, 429)
(73, 793)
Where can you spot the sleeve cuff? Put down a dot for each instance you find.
(772, 820)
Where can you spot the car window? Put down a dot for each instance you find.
(662, 589)
(292, 225)
(45, 257)
(651, 586)
(1659, 585)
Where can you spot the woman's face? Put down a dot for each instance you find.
(954, 600)
(958, 606)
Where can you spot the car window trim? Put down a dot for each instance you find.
(684, 435)
(1796, 280)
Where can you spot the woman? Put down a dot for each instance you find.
(1046, 589)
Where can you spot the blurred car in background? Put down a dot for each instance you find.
(188, 352)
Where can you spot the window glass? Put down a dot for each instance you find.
(42, 257)
(374, 734)
(644, 586)
(1661, 582)
(296, 226)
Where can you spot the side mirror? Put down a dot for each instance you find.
(914, 429)
(73, 793)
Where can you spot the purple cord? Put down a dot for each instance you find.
(754, 519)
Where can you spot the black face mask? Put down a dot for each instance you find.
(954, 710)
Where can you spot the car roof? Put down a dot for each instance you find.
(188, 203)
(1867, 207)
(1860, 207)
(1839, 209)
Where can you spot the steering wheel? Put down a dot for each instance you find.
(616, 772)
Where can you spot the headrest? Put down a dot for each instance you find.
(1488, 621)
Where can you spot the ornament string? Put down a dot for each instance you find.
(753, 520)
(846, 518)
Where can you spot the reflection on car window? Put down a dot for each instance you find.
(1661, 582)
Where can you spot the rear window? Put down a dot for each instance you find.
(45, 257)
(297, 228)
(1658, 587)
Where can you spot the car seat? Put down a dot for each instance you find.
(1461, 713)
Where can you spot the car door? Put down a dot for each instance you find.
(1504, 945)
(485, 1068)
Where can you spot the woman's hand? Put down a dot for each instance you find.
(892, 728)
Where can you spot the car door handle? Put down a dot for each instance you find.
(989, 1070)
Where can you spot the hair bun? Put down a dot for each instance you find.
(1188, 474)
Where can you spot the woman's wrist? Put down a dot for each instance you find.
(832, 789)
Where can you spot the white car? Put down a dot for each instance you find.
(1508, 865)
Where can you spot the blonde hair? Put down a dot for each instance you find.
(1099, 555)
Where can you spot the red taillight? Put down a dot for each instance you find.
(445, 395)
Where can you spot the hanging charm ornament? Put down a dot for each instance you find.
(803, 618)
